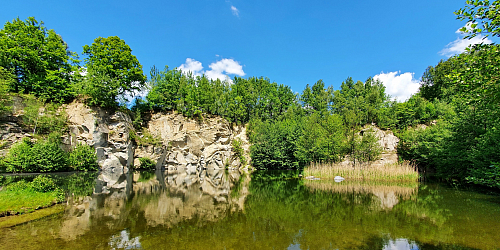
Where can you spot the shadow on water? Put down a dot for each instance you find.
(220, 209)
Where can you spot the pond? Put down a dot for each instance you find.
(218, 209)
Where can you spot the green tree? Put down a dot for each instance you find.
(483, 17)
(6, 80)
(112, 71)
(39, 59)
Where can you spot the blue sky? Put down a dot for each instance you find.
(291, 42)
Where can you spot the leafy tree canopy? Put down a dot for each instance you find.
(38, 58)
(483, 17)
(112, 70)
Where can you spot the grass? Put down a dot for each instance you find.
(405, 171)
(25, 200)
(10, 221)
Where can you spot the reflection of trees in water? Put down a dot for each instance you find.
(387, 195)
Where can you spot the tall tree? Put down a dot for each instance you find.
(112, 71)
(39, 59)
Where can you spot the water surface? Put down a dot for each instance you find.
(217, 209)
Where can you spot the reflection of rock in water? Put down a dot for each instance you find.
(156, 198)
(123, 241)
(387, 194)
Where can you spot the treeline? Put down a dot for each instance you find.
(288, 130)
(464, 146)
(238, 102)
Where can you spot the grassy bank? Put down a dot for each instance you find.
(389, 172)
(24, 197)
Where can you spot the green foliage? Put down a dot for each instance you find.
(238, 102)
(238, 150)
(321, 140)
(146, 163)
(482, 16)
(21, 196)
(43, 118)
(83, 158)
(425, 146)
(47, 156)
(42, 156)
(39, 59)
(18, 158)
(112, 71)
(43, 184)
(365, 148)
(489, 176)
(145, 138)
(273, 143)
(6, 80)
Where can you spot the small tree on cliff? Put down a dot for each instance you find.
(112, 71)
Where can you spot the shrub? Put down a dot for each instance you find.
(238, 151)
(19, 157)
(43, 184)
(18, 186)
(83, 158)
(43, 118)
(147, 163)
(27, 156)
(47, 157)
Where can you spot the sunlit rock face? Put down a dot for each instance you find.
(161, 198)
(186, 143)
(108, 132)
(206, 142)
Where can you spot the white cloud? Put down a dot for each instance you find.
(192, 66)
(235, 11)
(399, 86)
(218, 70)
(459, 45)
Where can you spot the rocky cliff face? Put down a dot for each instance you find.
(185, 142)
(108, 132)
(191, 143)
(387, 141)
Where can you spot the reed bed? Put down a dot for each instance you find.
(401, 172)
(404, 190)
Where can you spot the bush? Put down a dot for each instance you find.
(43, 184)
(19, 157)
(18, 186)
(238, 151)
(147, 163)
(27, 156)
(48, 157)
(83, 158)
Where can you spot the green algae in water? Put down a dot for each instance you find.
(230, 210)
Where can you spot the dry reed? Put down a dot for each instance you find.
(403, 190)
(405, 171)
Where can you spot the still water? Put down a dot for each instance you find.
(217, 209)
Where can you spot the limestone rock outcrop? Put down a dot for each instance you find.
(194, 143)
(108, 132)
(387, 140)
(187, 143)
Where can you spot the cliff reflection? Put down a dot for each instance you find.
(151, 199)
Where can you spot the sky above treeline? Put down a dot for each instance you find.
(291, 42)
